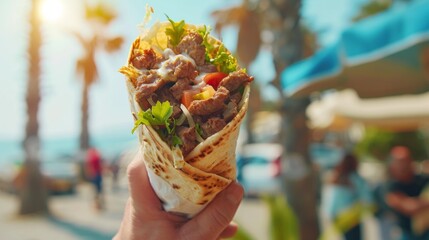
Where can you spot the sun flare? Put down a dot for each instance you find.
(51, 10)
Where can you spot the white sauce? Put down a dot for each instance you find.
(166, 72)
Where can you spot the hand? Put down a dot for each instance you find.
(144, 217)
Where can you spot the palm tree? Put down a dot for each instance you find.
(282, 19)
(99, 16)
(33, 195)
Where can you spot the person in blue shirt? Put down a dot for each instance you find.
(349, 196)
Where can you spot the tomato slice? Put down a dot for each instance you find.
(214, 79)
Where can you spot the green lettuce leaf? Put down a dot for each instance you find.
(224, 60)
(176, 32)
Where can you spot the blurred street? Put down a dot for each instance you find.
(75, 218)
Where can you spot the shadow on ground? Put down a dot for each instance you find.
(82, 232)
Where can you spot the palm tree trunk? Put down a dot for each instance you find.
(33, 194)
(301, 180)
(84, 132)
(301, 189)
(254, 107)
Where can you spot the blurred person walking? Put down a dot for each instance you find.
(114, 168)
(349, 197)
(94, 171)
(403, 195)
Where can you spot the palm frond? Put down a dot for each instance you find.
(227, 17)
(113, 44)
(249, 37)
(100, 13)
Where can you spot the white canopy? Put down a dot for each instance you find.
(338, 110)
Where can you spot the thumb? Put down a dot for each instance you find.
(215, 218)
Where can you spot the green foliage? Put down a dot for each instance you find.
(100, 13)
(242, 235)
(283, 223)
(347, 219)
(377, 143)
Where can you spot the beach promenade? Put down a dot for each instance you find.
(75, 218)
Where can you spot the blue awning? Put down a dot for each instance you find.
(389, 48)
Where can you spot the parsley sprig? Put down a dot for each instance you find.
(176, 32)
(217, 55)
(204, 33)
(159, 116)
(224, 60)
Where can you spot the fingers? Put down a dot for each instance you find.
(145, 202)
(229, 231)
(143, 197)
(216, 217)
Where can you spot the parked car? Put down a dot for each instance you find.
(60, 172)
(62, 175)
(259, 169)
(8, 172)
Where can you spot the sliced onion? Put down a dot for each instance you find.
(199, 78)
(181, 119)
(178, 160)
(198, 136)
(150, 101)
(188, 115)
(199, 86)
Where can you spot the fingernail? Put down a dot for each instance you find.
(234, 193)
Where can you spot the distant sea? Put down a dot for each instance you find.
(110, 145)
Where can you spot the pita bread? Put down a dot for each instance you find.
(189, 182)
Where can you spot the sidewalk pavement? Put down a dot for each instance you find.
(74, 217)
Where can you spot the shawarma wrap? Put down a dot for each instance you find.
(188, 97)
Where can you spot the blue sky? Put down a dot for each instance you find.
(59, 113)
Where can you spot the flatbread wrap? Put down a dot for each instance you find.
(188, 97)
